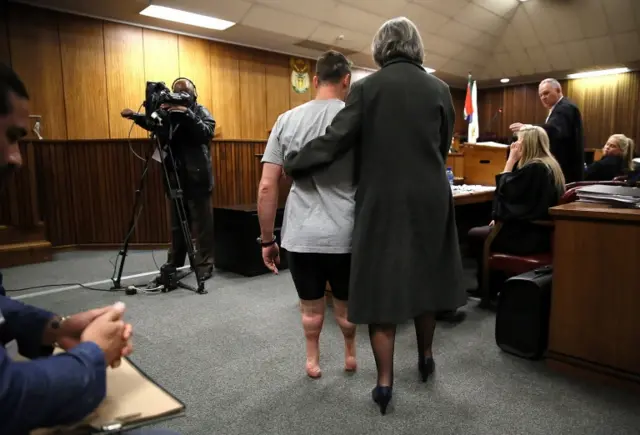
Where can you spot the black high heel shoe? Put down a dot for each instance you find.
(426, 367)
(382, 396)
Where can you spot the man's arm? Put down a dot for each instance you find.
(268, 190)
(28, 325)
(339, 138)
(51, 391)
(202, 123)
(47, 391)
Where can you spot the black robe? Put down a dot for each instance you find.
(405, 253)
(605, 169)
(522, 196)
(566, 137)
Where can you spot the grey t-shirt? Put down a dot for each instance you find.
(318, 216)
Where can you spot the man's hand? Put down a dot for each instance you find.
(172, 108)
(71, 330)
(107, 330)
(127, 113)
(515, 127)
(271, 257)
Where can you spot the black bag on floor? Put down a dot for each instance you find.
(522, 318)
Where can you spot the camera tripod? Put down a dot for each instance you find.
(168, 276)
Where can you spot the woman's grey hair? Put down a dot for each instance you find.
(398, 37)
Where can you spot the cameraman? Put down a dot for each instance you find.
(190, 148)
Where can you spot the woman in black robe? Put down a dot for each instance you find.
(530, 184)
(405, 255)
(617, 159)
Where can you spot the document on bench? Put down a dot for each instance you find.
(133, 400)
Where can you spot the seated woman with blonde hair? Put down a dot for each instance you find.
(529, 185)
(617, 159)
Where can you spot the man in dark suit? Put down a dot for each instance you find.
(564, 127)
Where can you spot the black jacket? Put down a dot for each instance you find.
(190, 146)
(522, 196)
(605, 169)
(566, 135)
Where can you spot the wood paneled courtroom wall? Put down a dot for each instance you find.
(82, 72)
(609, 105)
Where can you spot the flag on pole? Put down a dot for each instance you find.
(471, 110)
(474, 126)
(468, 104)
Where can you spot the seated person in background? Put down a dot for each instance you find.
(530, 184)
(617, 159)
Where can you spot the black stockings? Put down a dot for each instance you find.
(383, 337)
(425, 327)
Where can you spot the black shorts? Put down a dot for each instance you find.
(310, 273)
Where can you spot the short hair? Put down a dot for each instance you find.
(553, 82)
(332, 67)
(398, 37)
(10, 82)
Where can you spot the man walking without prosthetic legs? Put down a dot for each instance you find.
(318, 217)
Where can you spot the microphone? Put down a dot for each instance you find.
(495, 116)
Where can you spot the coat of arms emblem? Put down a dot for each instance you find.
(300, 75)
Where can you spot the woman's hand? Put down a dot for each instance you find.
(515, 151)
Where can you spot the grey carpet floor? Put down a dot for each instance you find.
(236, 358)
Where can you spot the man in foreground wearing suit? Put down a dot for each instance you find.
(564, 127)
(49, 390)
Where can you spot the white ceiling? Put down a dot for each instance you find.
(490, 38)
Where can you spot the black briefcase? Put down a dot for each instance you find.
(522, 318)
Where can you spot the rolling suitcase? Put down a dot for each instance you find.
(522, 318)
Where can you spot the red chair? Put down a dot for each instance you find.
(509, 264)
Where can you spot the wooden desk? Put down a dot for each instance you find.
(594, 327)
(473, 198)
(236, 229)
(455, 161)
(482, 162)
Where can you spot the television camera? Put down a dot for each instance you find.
(158, 94)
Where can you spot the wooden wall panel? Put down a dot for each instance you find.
(225, 90)
(84, 191)
(253, 95)
(5, 56)
(608, 105)
(195, 64)
(458, 96)
(161, 62)
(36, 50)
(124, 59)
(84, 77)
(104, 66)
(278, 101)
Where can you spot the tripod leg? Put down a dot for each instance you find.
(177, 198)
(137, 209)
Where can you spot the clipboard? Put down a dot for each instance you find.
(133, 400)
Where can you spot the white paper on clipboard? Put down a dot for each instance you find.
(156, 155)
